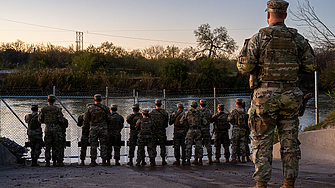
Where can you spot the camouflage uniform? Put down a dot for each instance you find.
(85, 131)
(34, 133)
(160, 118)
(205, 131)
(145, 128)
(114, 131)
(131, 120)
(239, 119)
(179, 135)
(194, 119)
(97, 117)
(274, 56)
(221, 128)
(52, 116)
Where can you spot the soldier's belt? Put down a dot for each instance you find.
(195, 127)
(277, 85)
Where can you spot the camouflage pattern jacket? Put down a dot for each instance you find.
(34, 126)
(97, 115)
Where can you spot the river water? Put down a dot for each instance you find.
(11, 127)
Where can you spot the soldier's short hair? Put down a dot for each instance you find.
(180, 105)
(194, 104)
(145, 112)
(97, 97)
(203, 102)
(114, 106)
(51, 98)
(158, 102)
(136, 106)
(239, 101)
(34, 107)
(221, 107)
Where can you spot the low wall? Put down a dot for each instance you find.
(315, 145)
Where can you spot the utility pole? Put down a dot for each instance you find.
(79, 41)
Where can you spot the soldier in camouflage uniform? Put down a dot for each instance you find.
(84, 137)
(98, 117)
(160, 118)
(34, 133)
(221, 128)
(273, 57)
(194, 119)
(114, 131)
(239, 119)
(52, 117)
(131, 120)
(205, 130)
(179, 134)
(145, 137)
(247, 138)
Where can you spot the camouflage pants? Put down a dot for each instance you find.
(179, 142)
(84, 144)
(132, 143)
(193, 135)
(271, 108)
(206, 141)
(222, 137)
(143, 141)
(238, 142)
(114, 141)
(161, 139)
(54, 140)
(99, 133)
(36, 143)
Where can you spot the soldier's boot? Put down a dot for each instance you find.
(117, 163)
(233, 161)
(210, 160)
(243, 160)
(108, 162)
(183, 162)
(34, 162)
(138, 163)
(104, 162)
(82, 163)
(238, 159)
(164, 161)
(188, 162)
(177, 162)
(200, 162)
(227, 160)
(54, 163)
(93, 163)
(195, 162)
(217, 160)
(248, 158)
(261, 184)
(152, 162)
(288, 183)
(130, 163)
(47, 164)
(143, 163)
(60, 163)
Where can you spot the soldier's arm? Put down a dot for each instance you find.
(248, 61)
(27, 118)
(41, 116)
(307, 56)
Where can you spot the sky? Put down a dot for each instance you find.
(138, 24)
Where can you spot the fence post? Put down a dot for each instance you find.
(164, 99)
(107, 96)
(214, 100)
(316, 99)
(54, 90)
(137, 97)
(134, 91)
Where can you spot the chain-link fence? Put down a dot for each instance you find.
(14, 108)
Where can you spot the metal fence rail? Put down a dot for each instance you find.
(14, 108)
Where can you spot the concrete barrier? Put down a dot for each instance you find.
(6, 157)
(315, 146)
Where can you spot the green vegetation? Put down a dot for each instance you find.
(329, 121)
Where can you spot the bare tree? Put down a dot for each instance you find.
(212, 42)
(321, 35)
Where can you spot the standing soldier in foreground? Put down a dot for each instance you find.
(205, 130)
(275, 56)
(114, 131)
(52, 117)
(85, 130)
(160, 118)
(131, 120)
(34, 133)
(194, 119)
(146, 130)
(97, 117)
(239, 119)
(221, 128)
(179, 134)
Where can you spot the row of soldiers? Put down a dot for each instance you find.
(102, 126)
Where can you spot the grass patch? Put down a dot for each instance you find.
(330, 119)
